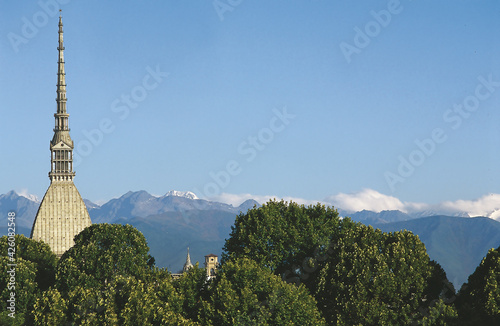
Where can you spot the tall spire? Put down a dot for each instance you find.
(62, 213)
(61, 145)
(61, 75)
(187, 264)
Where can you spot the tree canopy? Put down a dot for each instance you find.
(358, 275)
(245, 293)
(479, 298)
(109, 278)
(36, 252)
(375, 278)
(101, 253)
(34, 272)
(283, 264)
(281, 235)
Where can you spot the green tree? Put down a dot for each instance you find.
(108, 278)
(101, 253)
(193, 289)
(34, 273)
(245, 293)
(127, 301)
(50, 309)
(376, 278)
(439, 305)
(357, 275)
(18, 290)
(439, 313)
(91, 306)
(281, 236)
(479, 299)
(144, 304)
(36, 252)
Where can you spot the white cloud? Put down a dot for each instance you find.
(372, 200)
(368, 199)
(488, 205)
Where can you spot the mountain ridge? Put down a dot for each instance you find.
(143, 204)
(458, 244)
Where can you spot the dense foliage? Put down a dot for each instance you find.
(102, 252)
(109, 278)
(245, 293)
(375, 278)
(280, 236)
(358, 275)
(479, 300)
(34, 273)
(283, 264)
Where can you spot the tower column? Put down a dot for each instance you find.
(62, 213)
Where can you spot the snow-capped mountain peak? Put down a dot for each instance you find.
(29, 196)
(185, 194)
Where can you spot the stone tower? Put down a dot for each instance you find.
(62, 213)
(211, 264)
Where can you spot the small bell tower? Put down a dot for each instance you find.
(211, 264)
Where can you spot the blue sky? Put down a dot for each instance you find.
(306, 99)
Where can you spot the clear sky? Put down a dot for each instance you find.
(302, 99)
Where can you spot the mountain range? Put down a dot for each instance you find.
(178, 220)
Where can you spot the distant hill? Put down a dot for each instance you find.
(142, 204)
(178, 220)
(25, 211)
(170, 233)
(457, 243)
(369, 217)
